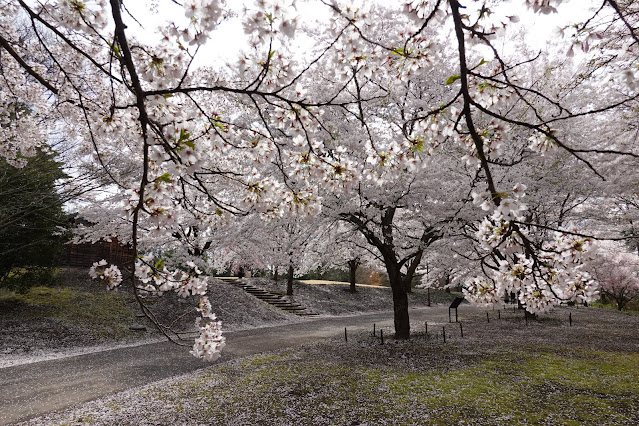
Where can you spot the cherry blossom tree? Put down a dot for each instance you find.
(618, 276)
(413, 122)
(278, 244)
(343, 247)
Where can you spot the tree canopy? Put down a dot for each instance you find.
(418, 123)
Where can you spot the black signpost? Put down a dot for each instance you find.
(454, 306)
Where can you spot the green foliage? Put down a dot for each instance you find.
(330, 274)
(31, 220)
(22, 279)
(104, 314)
(453, 78)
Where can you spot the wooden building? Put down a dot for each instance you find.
(85, 254)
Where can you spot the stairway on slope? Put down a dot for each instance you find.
(276, 300)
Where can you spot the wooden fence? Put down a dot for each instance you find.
(84, 255)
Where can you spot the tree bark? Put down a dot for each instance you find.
(400, 302)
(352, 271)
(289, 283)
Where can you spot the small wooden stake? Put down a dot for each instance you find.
(487, 317)
(374, 330)
(499, 314)
(426, 327)
(444, 333)
(461, 330)
(526, 316)
(381, 336)
(345, 335)
(570, 318)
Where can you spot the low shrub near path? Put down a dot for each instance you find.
(501, 372)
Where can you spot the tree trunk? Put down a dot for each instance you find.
(352, 270)
(289, 283)
(400, 302)
(428, 295)
(276, 274)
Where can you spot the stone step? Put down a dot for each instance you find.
(277, 300)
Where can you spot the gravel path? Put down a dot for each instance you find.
(30, 390)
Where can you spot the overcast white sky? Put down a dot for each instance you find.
(541, 29)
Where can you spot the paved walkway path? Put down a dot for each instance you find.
(30, 390)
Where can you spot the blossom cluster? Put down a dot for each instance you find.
(556, 274)
(158, 279)
(210, 342)
(111, 275)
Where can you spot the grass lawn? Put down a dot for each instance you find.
(501, 372)
(54, 317)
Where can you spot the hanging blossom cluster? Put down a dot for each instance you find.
(557, 273)
(541, 143)
(210, 342)
(111, 275)
(164, 64)
(157, 279)
(203, 16)
(77, 15)
(543, 6)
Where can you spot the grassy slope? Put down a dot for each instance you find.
(335, 299)
(49, 318)
(83, 313)
(502, 372)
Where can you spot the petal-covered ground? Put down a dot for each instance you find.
(503, 371)
(82, 316)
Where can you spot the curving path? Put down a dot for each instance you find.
(31, 390)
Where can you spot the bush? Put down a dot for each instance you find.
(21, 280)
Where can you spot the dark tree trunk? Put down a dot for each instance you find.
(400, 283)
(352, 271)
(276, 274)
(400, 302)
(289, 283)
